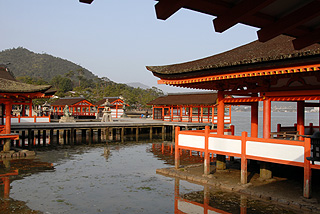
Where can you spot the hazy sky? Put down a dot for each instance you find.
(115, 38)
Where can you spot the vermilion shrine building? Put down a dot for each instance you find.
(15, 93)
(78, 107)
(116, 105)
(193, 107)
(253, 73)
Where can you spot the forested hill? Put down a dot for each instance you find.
(27, 63)
(69, 79)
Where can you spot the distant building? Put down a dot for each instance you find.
(115, 103)
(192, 107)
(78, 107)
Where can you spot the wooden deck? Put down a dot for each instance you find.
(44, 134)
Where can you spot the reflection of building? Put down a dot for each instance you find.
(195, 107)
(78, 107)
(165, 151)
(203, 203)
(253, 73)
(116, 104)
(16, 167)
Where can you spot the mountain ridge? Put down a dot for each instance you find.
(23, 62)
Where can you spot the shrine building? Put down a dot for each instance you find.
(116, 105)
(191, 107)
(15, 93)
(253, 73)
(79, 107)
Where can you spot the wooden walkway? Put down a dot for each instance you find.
(44, 134)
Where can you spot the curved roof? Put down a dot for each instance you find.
(279, 48)
(186, 99)
(8, 84)
(110, 100)
(69, 101)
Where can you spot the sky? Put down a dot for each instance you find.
(115, 38)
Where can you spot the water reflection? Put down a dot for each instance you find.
(212, 200)
(83, 179)
(11, 170)
(165, 151)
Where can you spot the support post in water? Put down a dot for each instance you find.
(177, 150)
(206, 152)
(244, 161)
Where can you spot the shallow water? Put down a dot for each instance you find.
(82, 180)
(241, 120)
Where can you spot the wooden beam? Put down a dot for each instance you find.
(166, 8)
(290, 21)
(238, 12)
(86, 1)
(306, 40)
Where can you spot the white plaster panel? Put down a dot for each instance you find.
(191, 141)
(275, 151)
(43, 120)
(225, 145)
(14, 120)
(186, 207)
(26, 120)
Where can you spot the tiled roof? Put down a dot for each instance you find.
(110, 100)
(186, 99)
(67, 101)
(8, 84)
(279, 48)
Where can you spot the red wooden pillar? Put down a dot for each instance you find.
(177, 150)
(30, 109)
(221, 159)
(171, 113)
(244, 161)
(265, 167)
(300, 118)
(190, 119)
(266, 118)
(206, 152)
(220, 123)
(201, 114)
(23, 110)
(8, 117)
(307, 169)
(254, 120)
(212, 115)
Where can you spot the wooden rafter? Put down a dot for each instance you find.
(306, 40)
(237, 13)
(166, 8)
(86, 1)
(253, 13)
(290, 21)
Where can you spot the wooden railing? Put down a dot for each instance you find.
(288, 152)
(32, 119)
